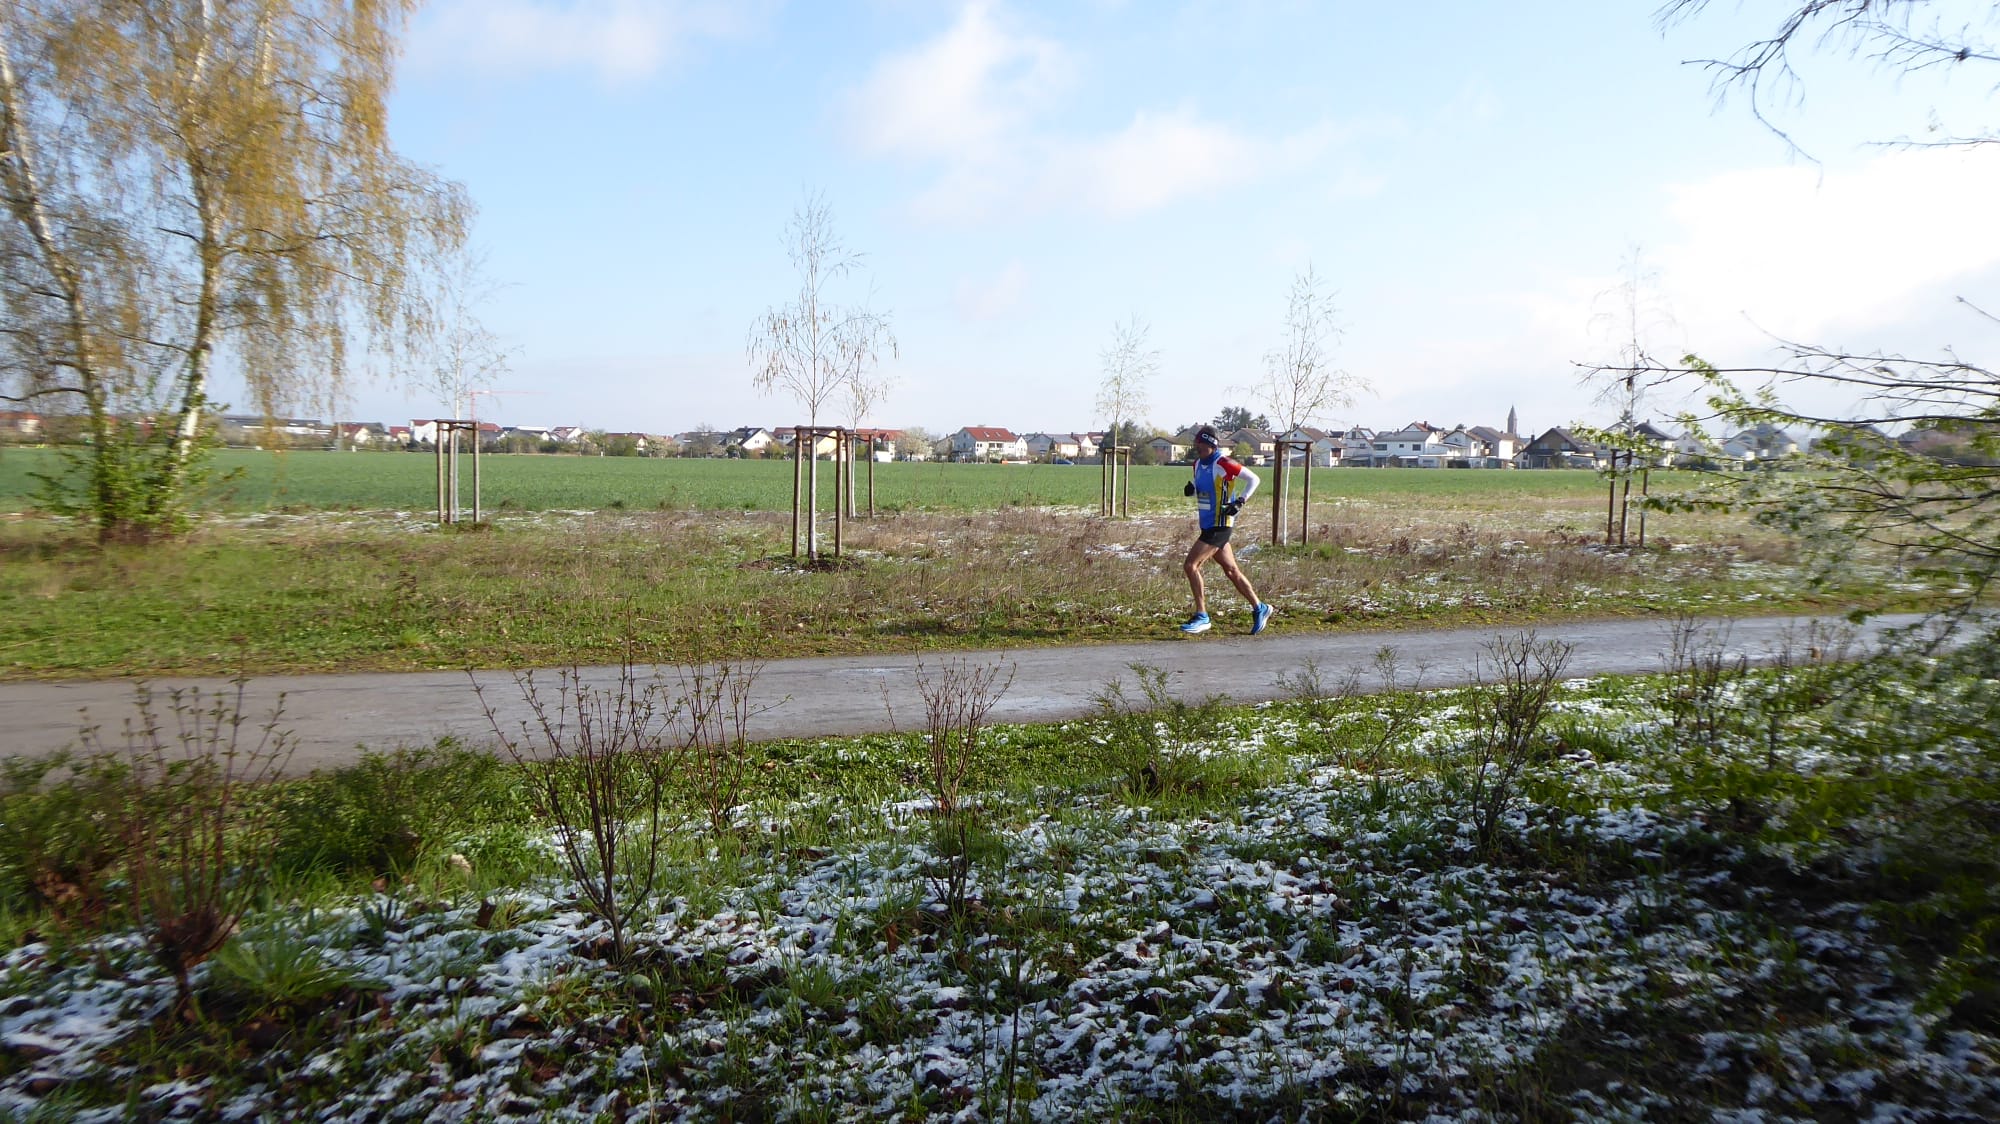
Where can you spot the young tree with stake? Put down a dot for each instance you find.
(814, 348)
(1301, 386)
(1129, 363)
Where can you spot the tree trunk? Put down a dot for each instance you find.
(25, 199)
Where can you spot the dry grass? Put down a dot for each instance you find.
(295, 593)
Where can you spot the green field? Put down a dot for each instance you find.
(330, 561)
(254, 481)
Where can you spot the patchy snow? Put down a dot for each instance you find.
(1336, 941)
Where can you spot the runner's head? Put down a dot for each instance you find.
(1205, 441)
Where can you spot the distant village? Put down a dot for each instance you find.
(1418, 444)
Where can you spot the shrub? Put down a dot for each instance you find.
(60, 834)
(957, 697)
(197, 841)
(380, 815)
(711, 720)
(1482, 776)
(1154, 744)
(598, 761)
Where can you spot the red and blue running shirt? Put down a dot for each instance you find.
(1219, 481)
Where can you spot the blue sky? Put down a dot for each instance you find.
(1471, 178)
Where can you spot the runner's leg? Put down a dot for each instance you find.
(1197, 554)
(1227, 557)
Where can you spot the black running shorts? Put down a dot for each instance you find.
(1217, 537)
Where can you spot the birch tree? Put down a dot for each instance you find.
(1128, 363)
(187, 183)
(457, 353)
(1301, 386)
(815, 348)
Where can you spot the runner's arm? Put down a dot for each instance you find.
(1243, 483)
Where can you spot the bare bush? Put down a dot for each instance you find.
(1404, 704)
(711, 722)
(197, 841)
(957, 698)
(1322, 701)
(1701, 680)
(1511, 708)
(598, 762)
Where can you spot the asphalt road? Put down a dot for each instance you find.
(335, 717)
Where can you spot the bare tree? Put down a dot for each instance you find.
(1129, 363)
(1633, 313)
(183, 181)
(864, 394)
(1902, 36)
(459, 353)
(1301, 386)
(815, 348)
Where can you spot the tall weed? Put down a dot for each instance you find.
(197, 834)
(1154, 744)
(598, 763)
(1482, 776)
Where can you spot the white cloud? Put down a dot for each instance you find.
(980, 101)
(1814, 256)
(963, 94)
(1866, 258)
(617, 40)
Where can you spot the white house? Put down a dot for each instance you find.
(1041, 445)
(1323, 447)
(1498, 446)
(987, 443)
(750, 439)
(1416, 445)
(1663, 444)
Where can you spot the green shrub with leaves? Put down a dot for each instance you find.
(60, 837)
(279, 970)
(1154, 744)
(384, 813)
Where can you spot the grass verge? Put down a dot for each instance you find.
(1781, 906)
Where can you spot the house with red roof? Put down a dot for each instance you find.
(987, 443)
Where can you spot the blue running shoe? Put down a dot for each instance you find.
(1196, 623)
(1260, 616)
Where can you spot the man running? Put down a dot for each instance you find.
(1220, 487)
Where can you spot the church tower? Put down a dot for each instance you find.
(1511, 423)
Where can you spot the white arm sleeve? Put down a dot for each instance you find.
(1251, 488)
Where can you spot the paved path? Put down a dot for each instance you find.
(335, 716)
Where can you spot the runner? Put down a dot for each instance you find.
(1220, 487)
